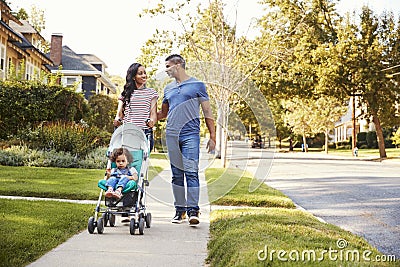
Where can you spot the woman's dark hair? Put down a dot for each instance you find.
(130, 84)
(121, 151)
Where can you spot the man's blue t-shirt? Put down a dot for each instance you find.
(184, 106)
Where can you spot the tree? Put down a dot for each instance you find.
(327, 111)
(37, 19)
(299, 113)
(212, 43)
(298, 28)
(22, 14)
(354, 67)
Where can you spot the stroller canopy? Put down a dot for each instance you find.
(130, 137)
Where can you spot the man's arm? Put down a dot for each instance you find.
(208, 116)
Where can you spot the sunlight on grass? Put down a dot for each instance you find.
(54, 182)
(238, 236)
(44, 182)
(18, 219)
(32, 228)
(229, 187)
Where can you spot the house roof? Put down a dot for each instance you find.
(23, 43)
(71, 61)
(24, 27)
(13, 34)
(93, 59)
(76, 64)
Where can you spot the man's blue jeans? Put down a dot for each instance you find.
(183, 152)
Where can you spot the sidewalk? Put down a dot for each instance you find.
(164, 244)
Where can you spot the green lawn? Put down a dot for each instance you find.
(230, 187)
(29, 229)
(53, 182)
(391, 153)
(266, 223)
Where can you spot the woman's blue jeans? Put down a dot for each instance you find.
(183, 152)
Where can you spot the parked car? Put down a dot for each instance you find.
(257, 143)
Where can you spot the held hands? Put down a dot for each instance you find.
(117, 122)
(150, 123)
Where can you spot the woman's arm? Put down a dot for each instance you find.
(153, 113)
(120, 114)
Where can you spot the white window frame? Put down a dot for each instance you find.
(71, 80)
(3, 61)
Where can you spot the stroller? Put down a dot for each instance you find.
(133, 201)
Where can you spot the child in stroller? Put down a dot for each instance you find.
(132, 203)
(121, 175)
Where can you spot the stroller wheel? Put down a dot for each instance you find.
(100, 225)
(105, 217)
(132, 226)
(112, 220)
(141, 226)
(148, 220)
(91, 225)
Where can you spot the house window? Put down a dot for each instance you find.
(2, 57)
(29, 70)
(70, 81)
(73, 81)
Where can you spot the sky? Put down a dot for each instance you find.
(114, 32)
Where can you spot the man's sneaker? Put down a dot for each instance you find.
(194, 217)
(178, 218)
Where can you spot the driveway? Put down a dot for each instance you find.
(360, 196)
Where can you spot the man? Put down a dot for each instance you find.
(181, 106)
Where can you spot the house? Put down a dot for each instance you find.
(22, 52)
(344, 127)
(86, 71)
(20, 47)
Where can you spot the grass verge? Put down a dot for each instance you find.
(29, 229)
(230, 187)
(275, 234)
(53, 182)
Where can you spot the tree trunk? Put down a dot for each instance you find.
(305, 143)
(379, 135)
(218, 143)
(326, 140)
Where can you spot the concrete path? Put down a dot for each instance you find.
(164, 244)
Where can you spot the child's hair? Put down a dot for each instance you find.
(121, 151)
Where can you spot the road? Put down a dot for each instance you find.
(360, 196)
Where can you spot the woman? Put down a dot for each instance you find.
(137, 103)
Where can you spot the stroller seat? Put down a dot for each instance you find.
(133, 201)
(137, 164)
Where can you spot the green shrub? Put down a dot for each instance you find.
(77, 139)
(396, 138)
(24, 156)
(362, 136)
(372, 142)
(102, 112)
(24, 104)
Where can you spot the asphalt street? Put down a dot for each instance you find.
(361, 196)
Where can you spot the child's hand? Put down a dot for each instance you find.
(133, 177)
